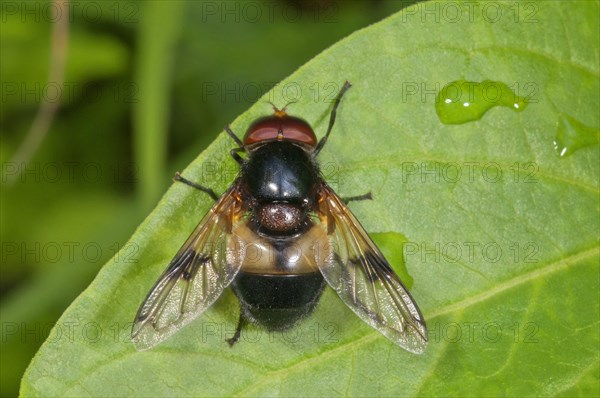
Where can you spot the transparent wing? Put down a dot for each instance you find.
(356, 269)
(204, 266)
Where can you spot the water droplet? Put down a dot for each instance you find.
(572, 135)
(461, 101)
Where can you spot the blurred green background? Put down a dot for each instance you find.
(147, 86)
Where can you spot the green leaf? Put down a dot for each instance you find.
(390, 244)
(504, 255)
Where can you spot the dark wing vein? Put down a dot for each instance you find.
(363, 278)
(200, 271)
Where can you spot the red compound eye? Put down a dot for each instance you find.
(280, 126)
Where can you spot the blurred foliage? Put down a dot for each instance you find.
(80, 197)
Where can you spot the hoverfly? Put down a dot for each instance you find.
(279, 204)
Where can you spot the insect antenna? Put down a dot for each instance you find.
(281, 112)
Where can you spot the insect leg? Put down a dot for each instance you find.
(234, 154)
(209, 191)
(238, 330)
(235, 151)
(337, 100)
(366, 196)
(233, 136)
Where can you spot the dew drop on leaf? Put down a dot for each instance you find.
(572, 135)
(461, 101)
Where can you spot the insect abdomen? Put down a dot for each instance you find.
(278, 301)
